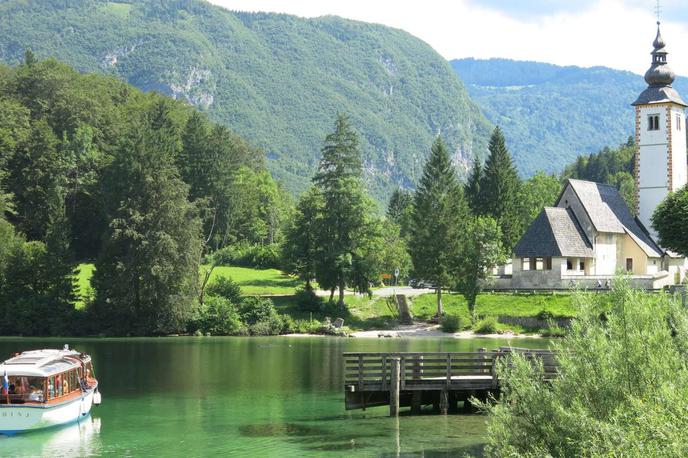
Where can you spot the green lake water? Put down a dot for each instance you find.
(273, 396)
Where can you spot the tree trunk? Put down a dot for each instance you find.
(341, 294)
(332, 293)
(440, 310)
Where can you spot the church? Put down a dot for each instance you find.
(590, 234)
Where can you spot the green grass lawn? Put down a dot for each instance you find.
(253, 282)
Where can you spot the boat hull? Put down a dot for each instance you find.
(17, 418)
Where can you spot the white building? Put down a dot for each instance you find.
(591, 233)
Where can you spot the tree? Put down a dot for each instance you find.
(300, 244)
(539, 191)
(621, 387)
(670, 219)
(346, 229)
(394, 251)
(439, 214)
(481, 252)
(400, 210)
(499, 191)
(147, 271)
(472, 187)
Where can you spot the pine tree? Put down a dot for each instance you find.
(346, 229)
(147, 271)
(300, 245)
(400, 209)
(472, 187)
(439, 214)
(499, 191)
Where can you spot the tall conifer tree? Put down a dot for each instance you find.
(499, 191)
(439, 213)
(346, 228)
(472, 187)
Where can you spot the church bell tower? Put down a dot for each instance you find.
(660, 134)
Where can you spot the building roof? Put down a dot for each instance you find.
(663, 94)
(609, 212)
(555, 232)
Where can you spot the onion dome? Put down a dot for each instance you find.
(659, 73)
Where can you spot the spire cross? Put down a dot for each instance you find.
(658, 10)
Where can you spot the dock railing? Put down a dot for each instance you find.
(380, 378)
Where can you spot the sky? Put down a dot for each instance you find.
(613, 33)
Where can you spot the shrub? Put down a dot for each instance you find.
(622, 388)
(217, 317)
(486, 326)
(246, 255)
(545, 315)
(269, 326)
(307, 300)
(225, 287)
(255, 309)
(451, 323)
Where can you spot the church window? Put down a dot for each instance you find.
(569, 264)
(581, 264)
(629, 264)
(653, 122)
(526, 263)
(539, 264)
(678, 122)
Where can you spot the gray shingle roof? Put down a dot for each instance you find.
(609, 212)
(661, 94)
(555, 232)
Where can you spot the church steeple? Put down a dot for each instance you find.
(660, 124)
(659, 74)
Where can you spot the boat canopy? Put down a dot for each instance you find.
(43, 363)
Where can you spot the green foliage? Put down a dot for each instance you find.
(275, 79)
(248, 255)
(147, 272)
(400, 210)
(537, 192)
(300, 247)
(218, 316)
(226, 288)
(254, 309)
(481, 251)
(499, 191)
(451, 323)
(670, 219)
(487, 325)
(307, 300)
(393, 252)
(348, 237)
(439, 213)
(621, 389)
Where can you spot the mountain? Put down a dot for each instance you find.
(552, 114)
(277, 80)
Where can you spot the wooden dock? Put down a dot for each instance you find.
(419, 379)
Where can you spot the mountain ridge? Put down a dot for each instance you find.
(552, 114)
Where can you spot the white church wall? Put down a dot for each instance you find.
(653, 166)
(649, 199)
(652, 137)
(678, 151)
(605, 254)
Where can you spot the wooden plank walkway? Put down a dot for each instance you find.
(418, 379)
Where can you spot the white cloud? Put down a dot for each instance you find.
(612, 33)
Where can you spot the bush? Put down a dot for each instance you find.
(486, 326)
(269, 326)
(225, 287)
(217, 317)
(622, 388)
(451, 323)
(545, 315)
(307, 300)
(255, 309)
(246, 255)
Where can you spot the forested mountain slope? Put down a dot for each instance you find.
(552, 114)
(276, 80)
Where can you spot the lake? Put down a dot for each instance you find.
(272, 396)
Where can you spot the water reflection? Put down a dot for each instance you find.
(76, 439)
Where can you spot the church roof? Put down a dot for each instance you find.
(555, 232)
(609, 212)
(661, 94)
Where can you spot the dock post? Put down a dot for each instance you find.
(394, 388)
(416, 399)
(444, 401)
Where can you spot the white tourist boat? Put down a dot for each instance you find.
(44, 388)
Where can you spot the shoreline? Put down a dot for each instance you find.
(422, 331)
